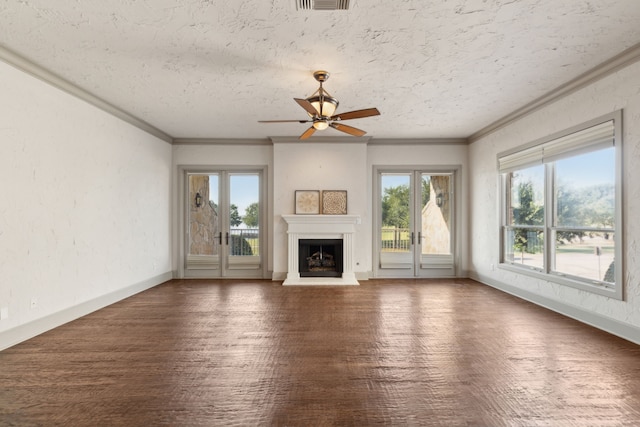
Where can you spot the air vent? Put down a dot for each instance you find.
(322, 4)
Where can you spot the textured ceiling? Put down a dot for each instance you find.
(213, 68)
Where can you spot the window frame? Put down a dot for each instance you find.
(547, 273)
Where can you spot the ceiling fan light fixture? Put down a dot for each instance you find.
(320, 124)
(322, 4)
(321, 108)
(324, 105)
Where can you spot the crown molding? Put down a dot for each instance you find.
(419, 141)
(220, 141)
(603, 70)
(47, 76)
(321, 140)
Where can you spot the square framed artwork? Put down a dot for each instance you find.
(307, 202)
(334, 202)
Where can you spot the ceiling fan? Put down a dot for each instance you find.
(321, 107)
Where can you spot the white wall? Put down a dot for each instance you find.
(318, 165)
(85, 208)
(617, 91)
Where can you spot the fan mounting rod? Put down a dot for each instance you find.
(321, 76)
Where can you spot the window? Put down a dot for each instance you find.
(524, 230)
(561, 207)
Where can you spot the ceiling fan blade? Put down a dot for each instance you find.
(357, 114)
(307, 133)
(307, 106)
(347, 129)
(284, 121)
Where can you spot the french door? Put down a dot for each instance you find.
(415, 223)
(223, 235)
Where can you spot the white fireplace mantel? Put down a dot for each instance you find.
(321, 227)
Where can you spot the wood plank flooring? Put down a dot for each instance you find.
(389, 352)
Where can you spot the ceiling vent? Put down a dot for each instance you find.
(322, 4)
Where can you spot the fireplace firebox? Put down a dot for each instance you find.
(320, 257)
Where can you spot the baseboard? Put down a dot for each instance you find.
(29, 330)
(362, 275)
(278, 275)
(612, 326)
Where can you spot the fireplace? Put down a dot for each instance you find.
(320, 249)
(320, 257)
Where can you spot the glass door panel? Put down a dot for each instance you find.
(435, 225)
(395, 239)
(204, 231)
(244, 221)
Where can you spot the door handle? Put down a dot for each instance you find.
(220, 238)
(227, 238)
(412, 237)
(419, 237)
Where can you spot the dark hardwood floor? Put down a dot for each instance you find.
(389, 352)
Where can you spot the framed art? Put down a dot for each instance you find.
(334, 202)
(307, 202)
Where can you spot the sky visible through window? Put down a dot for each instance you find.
(245, 190)
(394, 180)
(586, 170)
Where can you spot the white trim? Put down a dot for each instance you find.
(56, 81)
(278, 276)
(418, 141)
(363, 275)
(335, 139)
(36, 327)
(607, 324)
(203, 262)
(321, 139)
(220, 141)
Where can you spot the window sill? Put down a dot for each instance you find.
(614, 292)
